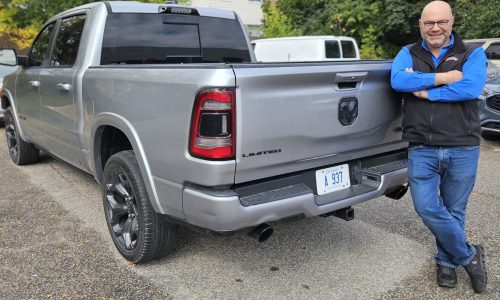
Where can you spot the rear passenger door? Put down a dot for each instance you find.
(58, 87)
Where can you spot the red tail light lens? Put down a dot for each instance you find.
(213, 134)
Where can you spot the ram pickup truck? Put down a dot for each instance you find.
(167, 108)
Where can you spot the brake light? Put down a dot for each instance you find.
(213, 130)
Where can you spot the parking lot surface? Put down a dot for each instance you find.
(54, 244)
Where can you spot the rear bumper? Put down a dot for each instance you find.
(290, 196)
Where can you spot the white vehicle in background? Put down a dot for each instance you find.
(491, 47)
(306, 48)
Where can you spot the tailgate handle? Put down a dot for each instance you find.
(350, 77)
(345, 81)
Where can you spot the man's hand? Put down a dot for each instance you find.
(422, 94)
(447, 77)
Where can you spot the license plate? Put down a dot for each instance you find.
(332, 179)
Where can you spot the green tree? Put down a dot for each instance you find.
(276, 24)
(21, 20)
(19, 36)
(477, 19)
(356, 18)
(381, 27)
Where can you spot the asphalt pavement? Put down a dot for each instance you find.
(54, 244)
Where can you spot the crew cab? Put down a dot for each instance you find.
(168, 109)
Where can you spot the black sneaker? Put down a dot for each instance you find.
(477, 270)
(446, 277)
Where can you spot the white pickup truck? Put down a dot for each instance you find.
(166, 107)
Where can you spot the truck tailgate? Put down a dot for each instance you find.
(293, 117)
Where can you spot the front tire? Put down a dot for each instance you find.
(138, 232)
(21, 152)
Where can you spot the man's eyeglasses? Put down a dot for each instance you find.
(440, 23)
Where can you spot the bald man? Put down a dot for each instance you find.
(440, 79)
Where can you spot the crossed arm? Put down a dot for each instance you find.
(447, 86)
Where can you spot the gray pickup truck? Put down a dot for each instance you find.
(166, 107)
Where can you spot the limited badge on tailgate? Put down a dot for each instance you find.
(332, 179)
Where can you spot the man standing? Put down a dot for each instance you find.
(440, 79)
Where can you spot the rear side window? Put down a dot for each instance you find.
(67, 41)
(332, 49)
(493, 51)
(40, 47)
(348, 49)
(172, 39)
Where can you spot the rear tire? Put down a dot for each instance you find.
(138, 232)
(21, 152)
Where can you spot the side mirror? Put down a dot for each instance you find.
(22, 60)
(8, 57)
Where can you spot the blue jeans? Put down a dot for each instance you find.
(441, 180)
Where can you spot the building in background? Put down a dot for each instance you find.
(249, 11)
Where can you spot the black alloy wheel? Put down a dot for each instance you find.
(122, 208)
(21, 152)
(10, 133)
(139, 233)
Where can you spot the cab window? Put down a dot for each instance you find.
(135, 38)
(67, 42)
(40, 47)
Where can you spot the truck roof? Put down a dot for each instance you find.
(138, 7)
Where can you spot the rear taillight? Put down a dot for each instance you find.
(213, 132)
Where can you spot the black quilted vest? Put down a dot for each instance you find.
(440, 123)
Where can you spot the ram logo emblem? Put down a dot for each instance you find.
(348, 110)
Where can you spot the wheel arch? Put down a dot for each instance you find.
(8, 100)
(112, 133)
(5, 102)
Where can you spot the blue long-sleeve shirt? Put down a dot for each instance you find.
(469, 87)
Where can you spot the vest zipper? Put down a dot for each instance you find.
(432, 110)
(430, 122)
(469, 117)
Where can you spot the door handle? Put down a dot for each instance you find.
(63, 86)
(35, 83)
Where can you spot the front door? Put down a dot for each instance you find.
(28, 86)
(58, 90)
